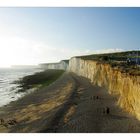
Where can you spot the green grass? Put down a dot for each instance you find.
(116, 60)
(118, 56)
(39, 79)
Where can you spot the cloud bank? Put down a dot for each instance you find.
(20, 51)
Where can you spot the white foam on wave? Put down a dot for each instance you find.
(8, 90)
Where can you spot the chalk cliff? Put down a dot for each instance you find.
(63, 65)
(126, 86)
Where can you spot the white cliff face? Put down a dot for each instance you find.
(118, 83)
(62, 65)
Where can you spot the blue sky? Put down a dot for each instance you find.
(51, 34)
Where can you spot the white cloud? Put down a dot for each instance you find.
(110, 50)
(15, 50)
(19, 51)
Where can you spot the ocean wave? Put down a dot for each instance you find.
(8, 89)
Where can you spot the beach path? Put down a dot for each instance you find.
(94, 110)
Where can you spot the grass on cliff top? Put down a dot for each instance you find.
(117, 60)
(39, 79)
(118, 56)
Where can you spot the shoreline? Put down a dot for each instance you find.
(37, 107)
(69, 105)
(9, 90)
(38, 79)
(32, 82)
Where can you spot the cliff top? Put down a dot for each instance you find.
(127, 62)
(119, 56)
(66, 61)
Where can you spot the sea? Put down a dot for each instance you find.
(8, 89)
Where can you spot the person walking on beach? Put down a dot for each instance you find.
(107, 110)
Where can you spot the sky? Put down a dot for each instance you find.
(29, 36)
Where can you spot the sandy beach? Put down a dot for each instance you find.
(70, 104)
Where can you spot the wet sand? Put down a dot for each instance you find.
(71, 104)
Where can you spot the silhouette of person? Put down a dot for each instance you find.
(107, 110)
(2, 121)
